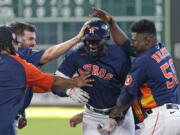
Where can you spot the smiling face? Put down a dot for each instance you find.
(28, 39)
(141, 42)
(138, 43)
(143, 36)
(95, 47)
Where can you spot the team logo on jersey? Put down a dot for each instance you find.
(129, 80)
(91, 30)
(96, 71)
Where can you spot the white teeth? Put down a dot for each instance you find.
(93, 49)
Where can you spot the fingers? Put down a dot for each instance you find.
(83, 94)
(86, 95)
(86, 73)
(101, 14)
(115, 113)
(84, 80)
(83, 100)
(98, 12)
(79, 95)
(87, 76)
(72, 123)
(22, 123)
(81, 33)
(75, 120)
(88, 83)
(87, 22)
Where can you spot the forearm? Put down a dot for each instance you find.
(62, 84)
(123, 102)
(118, 109)
(118, 35)
(58, 50)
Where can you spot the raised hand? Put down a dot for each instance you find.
(81, 33)
(101, 14)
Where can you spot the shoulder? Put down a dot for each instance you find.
(23, 50)
(27, 51)
(19, 60)
(114, 47)
(143, 60)
(117, 50)
(32, 56)
(77, 51)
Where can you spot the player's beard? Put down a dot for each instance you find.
(135, 53)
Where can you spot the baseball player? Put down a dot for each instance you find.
(26, 35)
(152, 79)
(108, 65)
(138, 114)
(16, 74)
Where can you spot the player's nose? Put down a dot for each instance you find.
(34, 42)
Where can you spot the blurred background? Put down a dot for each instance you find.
(60, 20)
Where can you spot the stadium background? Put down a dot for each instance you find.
(59, 20)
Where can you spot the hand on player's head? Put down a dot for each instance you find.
(101, 14)
(81, 33)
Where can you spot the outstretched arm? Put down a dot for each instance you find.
(58, 50)
(118, 34)
(76, 94)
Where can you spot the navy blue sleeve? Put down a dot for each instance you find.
(31, 56)
(125, 97)
(68, 65)
(133, 81)
(27, 100)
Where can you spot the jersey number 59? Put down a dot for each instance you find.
(169, 75)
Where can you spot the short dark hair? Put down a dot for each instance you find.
(144, 26)
(20, 27)
(7, 35)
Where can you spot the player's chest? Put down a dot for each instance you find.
(100, 68)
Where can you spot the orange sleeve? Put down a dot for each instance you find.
(34, 77)
(38, 90)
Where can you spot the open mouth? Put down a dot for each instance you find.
(93, 49)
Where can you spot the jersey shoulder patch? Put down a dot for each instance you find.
(129, 80)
